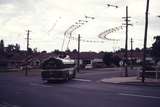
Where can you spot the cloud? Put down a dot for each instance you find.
(40, 15)
(2, 2)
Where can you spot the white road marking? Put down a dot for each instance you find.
(5, 104)
(142, 96)
(83, 80)
(41, 85)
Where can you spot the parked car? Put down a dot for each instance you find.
(58, 69)
(88, 66)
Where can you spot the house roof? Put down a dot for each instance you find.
(42, 56)
(134, 54)
(86, 55)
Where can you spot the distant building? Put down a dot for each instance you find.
(89, 58)
(135, 55)
(36, 60)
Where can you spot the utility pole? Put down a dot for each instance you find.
(26, 71)
(131, 44)
(145, 42)
(126, 42)
(131, 53)
(78, 64)
(28, 32)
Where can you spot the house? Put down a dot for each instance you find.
(13, 60)
(19, 60)
(3, 62)
(36, 60)
(136, 56)
(88, 58)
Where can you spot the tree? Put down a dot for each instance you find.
(1, 47)
(74, 51)
(67, 51)
(30, 51)
(107, 59)
(44, 51)
(35, 50)
(156, 49)
(17, 47)
(10, 48)
(137, 50)
(57, 52)
(122, 50)
(116, 60)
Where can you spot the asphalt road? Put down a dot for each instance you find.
(84, 91)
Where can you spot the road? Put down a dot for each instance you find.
(84, 91)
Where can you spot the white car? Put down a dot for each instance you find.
(88, 66)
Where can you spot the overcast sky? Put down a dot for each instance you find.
(49, 19)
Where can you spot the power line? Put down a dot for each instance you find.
(109, 31)
(72, 28)
(54, 24)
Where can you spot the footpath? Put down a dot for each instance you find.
(134, 80)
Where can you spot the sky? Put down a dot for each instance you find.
(48, 20)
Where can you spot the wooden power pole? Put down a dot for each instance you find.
(126, 42)
(131, 55)
(78, 64)
(26, 71)
(145, 41)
